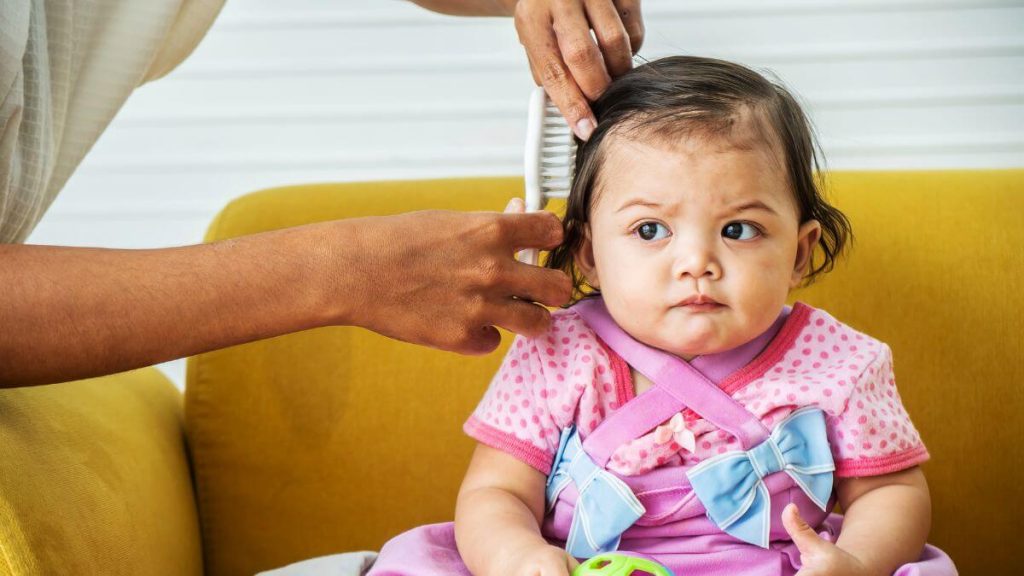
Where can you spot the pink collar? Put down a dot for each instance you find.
(677, 384)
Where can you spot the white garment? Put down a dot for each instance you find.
(66, 67)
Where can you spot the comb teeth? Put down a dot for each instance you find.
(558, 154)
(550, 158)
(550, 153)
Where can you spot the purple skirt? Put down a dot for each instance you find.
(430, 551)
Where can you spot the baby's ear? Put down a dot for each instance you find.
(807, 238)
(585, 260)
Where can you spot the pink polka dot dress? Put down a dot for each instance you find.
(570, 377)
(566, 383)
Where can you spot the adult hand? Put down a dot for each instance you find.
(446, 279)
(818, 556)
(573, 67)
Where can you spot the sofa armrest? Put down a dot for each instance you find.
(95, 479)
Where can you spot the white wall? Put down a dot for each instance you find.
(328, 90)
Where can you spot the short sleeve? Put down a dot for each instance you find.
(526, 406)
(873, 434)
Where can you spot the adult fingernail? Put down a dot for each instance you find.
(515, 205)
(584, 128)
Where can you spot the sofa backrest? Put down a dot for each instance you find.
(337, 439)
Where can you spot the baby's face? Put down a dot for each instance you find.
(694, 245)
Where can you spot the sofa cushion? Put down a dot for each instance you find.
(94, 479)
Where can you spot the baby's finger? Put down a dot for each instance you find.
(806, 539)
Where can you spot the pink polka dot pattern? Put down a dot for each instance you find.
(849, 376)
(568, 376)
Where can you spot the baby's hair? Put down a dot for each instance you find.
(682, 96)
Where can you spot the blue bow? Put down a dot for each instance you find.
(606, 506)
(731, 487)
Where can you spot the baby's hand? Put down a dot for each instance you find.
(543, 560)
(819, 556)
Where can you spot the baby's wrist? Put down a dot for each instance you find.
(862, 564)
(515, 551)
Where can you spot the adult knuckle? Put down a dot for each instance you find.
(579, 54)
(563, 286)
(552, 228)
(636, 35)
(474, 312)
(463, 344)
(520, 17)
(557, 292)
(576, 110)
(483, 234)
(466, 336)
(494, 227)
(539, 318)
(552, 72)
(491, 273)
(524, 17)
(451, 338)
(615, 38)
(523, 10)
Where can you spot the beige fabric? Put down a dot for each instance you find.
(66, 68)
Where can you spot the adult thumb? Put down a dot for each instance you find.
(805, 538)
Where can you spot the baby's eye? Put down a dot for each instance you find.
(740, 231)
(651, 231)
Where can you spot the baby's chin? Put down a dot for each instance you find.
(690, 348)
(688, 338)
(687, 350)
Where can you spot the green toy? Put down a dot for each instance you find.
(619, 565)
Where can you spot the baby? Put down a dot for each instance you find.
(680, 410)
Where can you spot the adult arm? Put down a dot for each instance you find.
(573, 65)
(441, 279)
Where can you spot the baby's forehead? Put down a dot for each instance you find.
(671, 168)
(743, 130)
(631, 157)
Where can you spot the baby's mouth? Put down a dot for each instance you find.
(699, 301)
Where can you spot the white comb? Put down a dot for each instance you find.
(550, 157)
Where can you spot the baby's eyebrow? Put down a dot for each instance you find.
(753, 205)
(638, 202)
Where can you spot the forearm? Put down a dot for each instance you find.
(71, 313)
(887, 526)
(469, 7)
(491, 526)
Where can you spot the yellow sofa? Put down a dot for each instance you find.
(336, 439)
